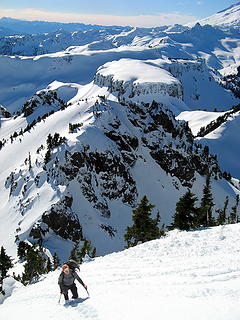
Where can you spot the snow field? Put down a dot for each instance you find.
(186, 275)
(198, 119)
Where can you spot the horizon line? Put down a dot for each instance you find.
(162, 19)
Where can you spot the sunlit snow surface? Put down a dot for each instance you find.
(185, 276)
(222, 141)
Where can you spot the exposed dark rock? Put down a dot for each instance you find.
(63, 222)
(176, 164)
(110, 230)
(123, 141)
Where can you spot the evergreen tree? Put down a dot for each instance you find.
(1, 288)
(49, 266)
(47, 157)
(204, 215)
(75, 252)
(94, 252)
(233, 215)
(78, 253)
(56, 261)
(5, 263)
(87, 249)
(34, 266)
(222, 213)
(29, 162)
(22, 250)
(185, 213)
(144, 228)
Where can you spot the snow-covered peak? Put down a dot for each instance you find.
(228, 18)
(136, 71)
(138, 80)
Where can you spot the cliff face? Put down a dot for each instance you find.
(4, 113)
(137, 79)
(133, 89)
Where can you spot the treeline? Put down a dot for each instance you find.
(28, 128)
(44, 99)
(187, 216)
(232, 82)
(36, 262)
(53, 142)
(217, 122)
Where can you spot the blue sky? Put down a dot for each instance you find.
(110, 11)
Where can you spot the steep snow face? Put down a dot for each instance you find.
(135, 71)
(196, 78)
(27, 74)
(201, 86)
(221, 140)
(186, 275)
(76, 56)
(228, 18)
(198, 119)
(134, 78)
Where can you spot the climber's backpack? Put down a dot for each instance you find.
(73, 265)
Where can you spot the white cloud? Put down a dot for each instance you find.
(140, 20)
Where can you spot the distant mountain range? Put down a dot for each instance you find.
(10, 26)
(227, 18)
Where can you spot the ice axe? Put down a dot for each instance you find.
(60, 298)
(87, 290)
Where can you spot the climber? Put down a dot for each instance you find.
(66, 281)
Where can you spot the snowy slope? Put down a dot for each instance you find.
(183, 276)
(120, 152)
(27, 74)
(198, 119)
(76, 56)
(221, 141)
(37, 44)
(85, 51)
